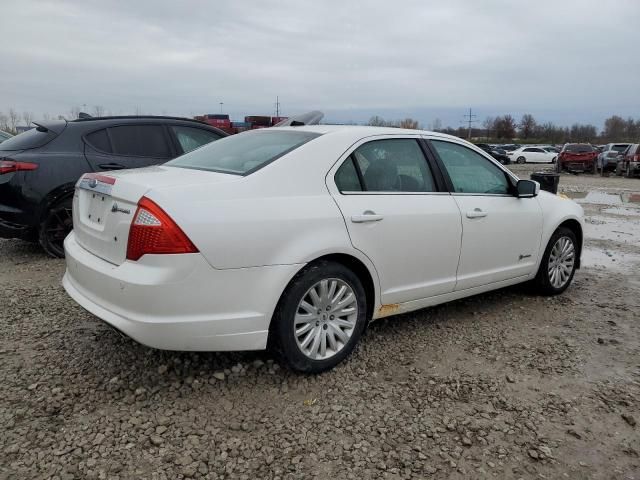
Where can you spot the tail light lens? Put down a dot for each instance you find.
(153, 231)
(10, 166)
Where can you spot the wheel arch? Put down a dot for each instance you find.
(576, 228)
(54, 196)
(365, 272)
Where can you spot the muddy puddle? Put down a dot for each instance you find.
(609, 259)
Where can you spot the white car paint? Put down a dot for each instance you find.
(533, 154)
(255, 232)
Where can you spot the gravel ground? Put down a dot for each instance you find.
(502, 385)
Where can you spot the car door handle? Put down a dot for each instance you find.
(111, 166)
(367, 216)
(476, 213)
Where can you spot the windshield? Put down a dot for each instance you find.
(244, 153)
(578, 148)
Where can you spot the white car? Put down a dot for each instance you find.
(297, 237)
(533, 155)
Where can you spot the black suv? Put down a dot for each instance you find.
(496, 153)
(40, 167)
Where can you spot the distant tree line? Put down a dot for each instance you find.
(506, 128)
(529, 130)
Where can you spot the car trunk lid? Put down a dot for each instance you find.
(104, 204)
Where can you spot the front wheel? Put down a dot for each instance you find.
(55, 226)
(521, 160)
(319, 318)
(558, 263)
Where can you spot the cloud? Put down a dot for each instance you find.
(347, 57)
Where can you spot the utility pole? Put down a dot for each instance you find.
(277, 106)
(470, 118)
(221, 103)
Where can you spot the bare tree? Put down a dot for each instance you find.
(46, 116)
(74, 112)
(377, 121)
(409, 123)
(505, 127)
(14, 118)
(137, 111)
(436, 125)
(4, 122)
(98, 111)
(489, 125)
(27, 117)
(527, 125)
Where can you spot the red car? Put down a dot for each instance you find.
(577, 157)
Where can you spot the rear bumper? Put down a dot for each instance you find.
(178, 302)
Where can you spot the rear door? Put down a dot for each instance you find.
(398, 216)
(500, 232)
(128, 146)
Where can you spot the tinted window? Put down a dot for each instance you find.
(396, 165)
(139, 141)
(191, 138)
(32, 138)
(347, 178)
(99, 140)
(244, 153)
(529, 150)
(469, 171)
(619, 148)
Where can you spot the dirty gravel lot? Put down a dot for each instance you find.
(502, 385)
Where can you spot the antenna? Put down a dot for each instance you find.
(469, 118)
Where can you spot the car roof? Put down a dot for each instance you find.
(135, 118)
(365, 130)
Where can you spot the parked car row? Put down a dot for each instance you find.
(40, 167)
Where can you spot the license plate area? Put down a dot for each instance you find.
(94, 208)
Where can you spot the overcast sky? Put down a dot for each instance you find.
(563, 60)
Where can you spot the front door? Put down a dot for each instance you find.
(396, 215)
(500, 232)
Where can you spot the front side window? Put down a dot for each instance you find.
(191, 138)
(244, 153)
(139, 141)
(395, 165)
(469, 171)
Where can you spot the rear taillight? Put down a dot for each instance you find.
(153, 231)
(10, 166)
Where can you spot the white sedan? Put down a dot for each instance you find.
(533, 155)
(296, 237)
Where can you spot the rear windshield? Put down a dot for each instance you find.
(578, 148)
(33, 138)
(243, 153)
(620, 148)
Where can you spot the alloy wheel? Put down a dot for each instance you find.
(325, 319)
(561, 262)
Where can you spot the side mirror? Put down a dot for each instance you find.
(527, 188)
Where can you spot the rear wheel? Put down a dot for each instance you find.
(627, 172)
(521, 160)
(558, 263)
(55, 227)
(319, 318)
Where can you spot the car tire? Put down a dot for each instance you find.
(55, 226)
(558, 264)
(330, 327)
(558, 167)
(521, 160)
(627, 172)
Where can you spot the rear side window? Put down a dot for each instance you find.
(99, 140)
(139, 141)
(244, 153)
(191, 138)
(33, 138)
(347, 177)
